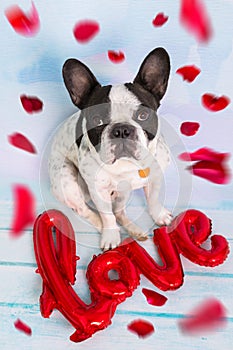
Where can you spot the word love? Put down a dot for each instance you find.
(55, 250)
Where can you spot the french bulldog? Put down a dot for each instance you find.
(111, 147)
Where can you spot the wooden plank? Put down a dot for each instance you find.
(22, 287)
(54, 333)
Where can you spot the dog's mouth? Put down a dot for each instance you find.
(125, 150)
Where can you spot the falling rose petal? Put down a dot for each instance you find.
(215, 172)
(154, 298)
(86, 30)
(189, 128)
(116, 57)
(208, 316)
(31, 104)
(24, 209)
(210, 165)
(159, 20)
(189, 73)
(194, 17)
(22, 23)
(20, 141)
(141, 328)
(214, 103)
(21, 326)
(206, 154)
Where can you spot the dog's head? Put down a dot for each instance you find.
(119, 121)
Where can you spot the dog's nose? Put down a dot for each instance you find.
(123, 131)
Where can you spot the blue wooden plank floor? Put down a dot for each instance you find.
(21, 288)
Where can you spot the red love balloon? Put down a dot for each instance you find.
(56, 261)
(119, 289)
(189, 230)
(169, 276)
(57, 267)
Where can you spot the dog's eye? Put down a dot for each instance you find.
(97, 120)
(143, 115)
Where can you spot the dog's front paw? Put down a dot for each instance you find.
(135, 232)
(110, 239)
(164, 217)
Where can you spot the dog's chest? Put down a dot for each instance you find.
(123, 176)
(128, 181)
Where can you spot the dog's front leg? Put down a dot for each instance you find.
(110, 237)
(119, 209)
(159, 214)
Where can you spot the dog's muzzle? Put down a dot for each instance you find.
(123, 137)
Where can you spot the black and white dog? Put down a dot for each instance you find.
(112, 146)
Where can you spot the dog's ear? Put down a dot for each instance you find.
(79, 81)
(154, 72)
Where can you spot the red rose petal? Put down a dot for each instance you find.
(86, 30)
(116, 57)
(189, 128)
(141, 328)
(20, 141)
(31, 104)
(24, 209)
(215, 172)
(210, 315)
(22, 23)
(159, 20)
(214, 103)
(194, 17)
(21, 326)
(206, 154)
(154, 298)
(210, 165)
(188, 73)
